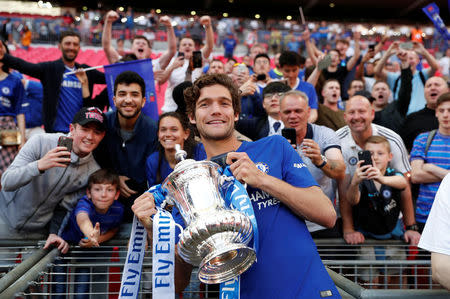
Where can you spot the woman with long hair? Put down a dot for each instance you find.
(173, 128)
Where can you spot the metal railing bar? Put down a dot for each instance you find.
(21, 268)
(22, 282)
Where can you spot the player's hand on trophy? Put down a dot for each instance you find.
(144, 207)
(244, 170)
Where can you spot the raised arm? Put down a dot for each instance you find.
(209, 45)
(404, 94)
(314, 77)
(309, 46)
(163, 75)
(88, 229)
(360, 70)
(352, 62)
(434, 64)
(31, 69)
(111, 53)
(335, 166)
(171, 42)
(379, 68)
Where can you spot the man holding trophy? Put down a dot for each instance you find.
(282, 192)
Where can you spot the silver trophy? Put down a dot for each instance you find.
(215, 238)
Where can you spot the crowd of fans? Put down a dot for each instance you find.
(343, 90)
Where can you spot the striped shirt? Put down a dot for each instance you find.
(350, 149)
(439, 155)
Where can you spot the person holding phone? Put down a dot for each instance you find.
(320, 149)
(412, 57)
(269, 124)
(376, 210)
(45, 180)
(358, 115)
(188, 71)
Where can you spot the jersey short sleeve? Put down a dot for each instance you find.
(83, 205)
(438, 221)
(418, 150)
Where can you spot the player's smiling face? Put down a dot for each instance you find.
(214, 113)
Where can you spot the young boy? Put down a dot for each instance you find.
(376, 211)
(99, 206)
(290, 67)
(97, 216)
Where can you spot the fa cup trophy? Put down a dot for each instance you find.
(215, 238)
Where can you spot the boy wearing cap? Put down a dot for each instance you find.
(42, 179)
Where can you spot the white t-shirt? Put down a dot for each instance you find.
(350, 149)
(444, 62)
(178, 76)
(436, 234)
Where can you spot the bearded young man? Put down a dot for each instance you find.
(283, 195)
(130, 138)
(63, 96)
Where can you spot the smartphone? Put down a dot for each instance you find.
(220, 159)
(197, 59)
(67, 142)
(406, 46)
(261, 77)
(324, 63)
(290, 135)
(180, 54)
(372, 47)
(366, 156)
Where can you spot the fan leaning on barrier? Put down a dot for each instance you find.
(216, 236)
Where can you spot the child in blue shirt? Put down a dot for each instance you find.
(97, 216)
(95, 219)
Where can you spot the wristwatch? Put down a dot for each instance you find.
(413, 227)
(323, 163)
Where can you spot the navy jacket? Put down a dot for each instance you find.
(51, 74)
(127, 158)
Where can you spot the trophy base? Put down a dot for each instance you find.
(226, 263)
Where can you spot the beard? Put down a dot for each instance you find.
(204, 134)
(69, 59)
(129, 116)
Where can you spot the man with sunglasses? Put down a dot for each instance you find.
(270, 124)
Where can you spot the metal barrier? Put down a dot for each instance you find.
(99, 271)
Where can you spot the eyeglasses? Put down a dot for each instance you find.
(271, 95)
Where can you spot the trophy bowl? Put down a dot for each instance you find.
(215, 238)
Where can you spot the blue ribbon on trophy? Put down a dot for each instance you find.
(219, 221)
(235, 195)
(131, 276)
